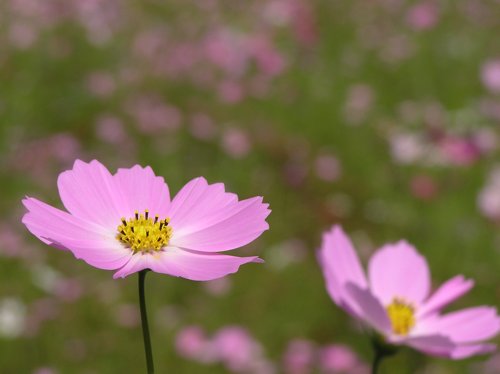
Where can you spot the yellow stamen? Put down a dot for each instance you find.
(144, 234)
(402, 316)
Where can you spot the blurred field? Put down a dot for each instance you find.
(379, 115)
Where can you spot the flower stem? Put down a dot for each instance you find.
(381, 350)
(144, 320)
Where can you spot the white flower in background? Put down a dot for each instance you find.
(12, 317)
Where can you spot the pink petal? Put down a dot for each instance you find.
(142, 190)
(369, 308)
(89, 191)
(448, 292)
(186, 264)
(206, 218)
(86, 240)
(340, 266)
(464, 326)
(398, 270)
(434, 345)
(440, 346)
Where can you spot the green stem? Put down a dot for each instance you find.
(381, 350)
(144, 320)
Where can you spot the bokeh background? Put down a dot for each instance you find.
(380, 115)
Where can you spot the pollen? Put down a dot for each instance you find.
(402, 316)
(143, 233)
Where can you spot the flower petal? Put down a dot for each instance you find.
(86, 240)
(340, 265)
(463, 326)
(448, 292)
(89, 191)
(206, 218)
(398, 270)
(142, 190)
(186, 264)
(369, 308)
(440, 346)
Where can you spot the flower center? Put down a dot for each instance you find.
(401, 315)
(144, 234)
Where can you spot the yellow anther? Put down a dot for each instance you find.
(144, 234)
(402, 316)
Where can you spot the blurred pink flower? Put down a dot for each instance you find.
(394, 299)
(101, 84)
(327, 168)
(338, 358)
(153, 116)
(489, 196)
(192, 343)
(423, 187)
(236, 142)
(202, 127)
(127, 222)
(236, 348)
(459, 151)
(45, 370)
(110, 129)
(299, 357)
(490, 75)
(127, 315)
(423, 16)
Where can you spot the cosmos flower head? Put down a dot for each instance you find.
(395, 301)
(127, 222)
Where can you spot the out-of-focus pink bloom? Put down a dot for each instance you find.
(236, 142)
(218, 287)
(227, 50)
(192, 343)
(12, 244)
(299, 357)
(69, 289)
(41, 310)
(459, 151)
(395, 299)
(153, 116)
(45, 370)
(489, 197)
(423, 187)
(110, 129)
(327, 168)
(127, 315)
(407, 148)
(423, 16)
(360, 98)
(65, 147)
(304, 23)
(338, 358)
(101, 84)
(202, 127)
(22, 35)
(236, 348)
(230, 91)
(490, 75)
(268, 59)
(127, 222)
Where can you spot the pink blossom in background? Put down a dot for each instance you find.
(153, 116)
(202, 127)
(45, 370)
(218, 287)
(359, 101)
(395, 301)
(127, 315)
(459, 151)
(22, 35)
(338, 358)
(423, 187)
(192, 343)
(299, 357)
(230, 91)
(127, 222)
(490, 75)
(423, 16)
(489, 197)
(327, 168)
(110, 129)
(236, 142)
(68, 289)
(101, 84)
(236, 348)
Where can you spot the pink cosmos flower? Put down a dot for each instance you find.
(127, 222)
(395, 299)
